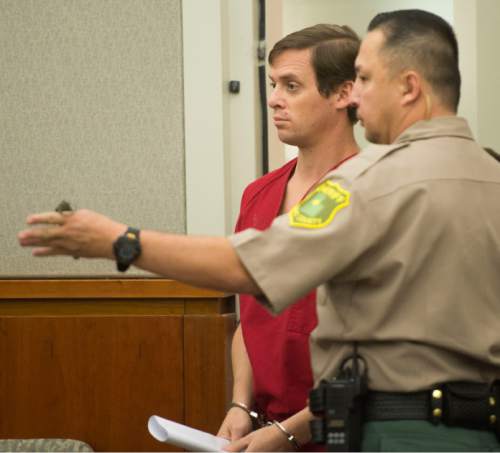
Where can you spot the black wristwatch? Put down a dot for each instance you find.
(127, 249)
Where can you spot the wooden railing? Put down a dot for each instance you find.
(92, 359)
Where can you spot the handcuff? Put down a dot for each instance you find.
(260, 421)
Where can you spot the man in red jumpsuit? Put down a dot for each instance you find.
(311, 72)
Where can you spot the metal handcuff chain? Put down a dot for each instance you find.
(260, 421)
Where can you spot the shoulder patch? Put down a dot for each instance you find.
(320, 207)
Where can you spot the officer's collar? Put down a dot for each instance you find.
(442, 126)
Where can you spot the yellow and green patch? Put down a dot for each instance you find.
(319, 208)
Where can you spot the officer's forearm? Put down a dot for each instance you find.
(209, 262)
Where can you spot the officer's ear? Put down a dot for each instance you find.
(410, 86)
(343, 94)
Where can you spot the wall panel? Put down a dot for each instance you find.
(91, 112)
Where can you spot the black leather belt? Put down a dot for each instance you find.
(466, 404)
(384, 406)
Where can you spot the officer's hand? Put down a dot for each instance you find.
(80, 233)
(269, 438)
(236, 424)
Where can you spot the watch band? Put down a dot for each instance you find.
(131, 236)
(133, 232)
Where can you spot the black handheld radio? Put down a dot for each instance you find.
(339, 405)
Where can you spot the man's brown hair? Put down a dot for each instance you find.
(333, 51)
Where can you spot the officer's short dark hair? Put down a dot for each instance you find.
(334, 49)
(426, 42)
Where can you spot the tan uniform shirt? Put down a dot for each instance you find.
(404, 244)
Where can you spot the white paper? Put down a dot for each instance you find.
(184, 436)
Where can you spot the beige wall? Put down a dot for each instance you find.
(355, 13)
(274, 32)
(221, 129)
(488, 73)
(91, 111)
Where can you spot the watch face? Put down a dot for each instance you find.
(127, 250)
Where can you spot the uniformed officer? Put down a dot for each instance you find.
(403, 242)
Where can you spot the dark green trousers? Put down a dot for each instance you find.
(411, 435)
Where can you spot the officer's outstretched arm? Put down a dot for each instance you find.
(209, 262)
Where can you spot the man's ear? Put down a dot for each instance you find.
(410, 86)
(342, 95)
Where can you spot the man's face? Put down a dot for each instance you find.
(375, 92)
(301, 115)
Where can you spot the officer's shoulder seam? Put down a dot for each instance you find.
(361, 163)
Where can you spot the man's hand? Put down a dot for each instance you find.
(80, 233)
(268, 438)
(236, 424)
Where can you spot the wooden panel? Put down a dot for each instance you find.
(110, 288)
(96, 379)
(93, 359)
(207, 364)
(173, 294)
(92, 307)
(209, 306)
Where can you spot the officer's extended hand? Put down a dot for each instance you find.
(268, 438)
(80, 233)
(236, 424)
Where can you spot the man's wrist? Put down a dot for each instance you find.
(258, 420)
(289, 436)
(113, 233)
(245, 408)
